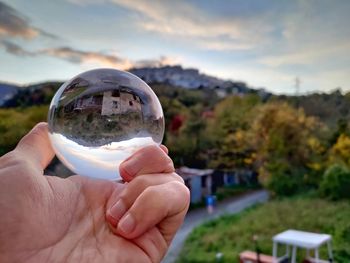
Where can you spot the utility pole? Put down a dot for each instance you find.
(297, 83)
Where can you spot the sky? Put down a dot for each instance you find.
(265, 43)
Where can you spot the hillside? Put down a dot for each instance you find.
(191, 78)
(174, 76)
(331, 108)
(26, 96)
(190, 87)
(7, 91)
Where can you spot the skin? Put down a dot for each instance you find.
(77, 219)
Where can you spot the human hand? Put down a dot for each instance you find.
(50, 219)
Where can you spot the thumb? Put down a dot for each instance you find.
(36, 146)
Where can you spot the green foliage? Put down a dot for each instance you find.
(189, 145)
(186, 97)
(287, 147)
(233, 234)
(340, 151)
(279, 142)
(342, 128)
(15, 123)
(283, 180)
(330, 108)
(230, 130)
(335, 184)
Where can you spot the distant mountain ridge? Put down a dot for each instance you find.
(7, 91)
(188, 78)
(191, 78)
(23, 96)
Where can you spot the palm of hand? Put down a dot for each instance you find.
(61, 221)
(49, 219)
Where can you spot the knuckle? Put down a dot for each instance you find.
(152, 190)
(141, 182)
(136, 186)
(169, 165)
(178, 178)
(180, 189)
(126, 197)
(152, 149)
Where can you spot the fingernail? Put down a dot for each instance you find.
(127, 224)
(117, 210)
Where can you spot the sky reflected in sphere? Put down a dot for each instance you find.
(101, 117)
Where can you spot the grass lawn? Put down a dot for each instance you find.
(232, 234)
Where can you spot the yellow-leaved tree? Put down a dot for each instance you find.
(287, 147)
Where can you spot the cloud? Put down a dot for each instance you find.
(15, 49)
(307, 55)
(220, 45)
(15, 24)
(80, 57)
(93, 57)
(317, 20)
(87, 57)
(86, 2)
(315, 33)
(182, 20)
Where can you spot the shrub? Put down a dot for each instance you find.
(283, 180)
(335, 184)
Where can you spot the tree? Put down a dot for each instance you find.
(336, 182)
(230, 129)
(190, 144)
(286, 144)
(340, 151)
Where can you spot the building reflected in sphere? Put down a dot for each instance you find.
(107, 110)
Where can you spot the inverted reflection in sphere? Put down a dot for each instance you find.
(101, 117)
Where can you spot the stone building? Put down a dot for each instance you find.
(117, 102)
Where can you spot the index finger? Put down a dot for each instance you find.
(149, 160)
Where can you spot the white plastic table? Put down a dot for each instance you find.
(309, 241)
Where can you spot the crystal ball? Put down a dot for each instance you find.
(101, 117)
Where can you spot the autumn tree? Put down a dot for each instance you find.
(286, 145)
(230, 128)
(340, 151)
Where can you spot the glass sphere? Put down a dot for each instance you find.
(101, 117)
